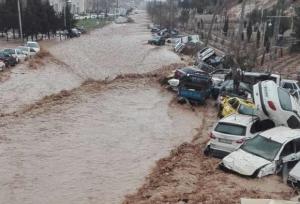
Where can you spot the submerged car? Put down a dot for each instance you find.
(8, 59)
(29, 52)
(157, 40)
(277, 104)
(17, 54)
(231, 105)
(33, 45)
(263, 154)
(229, 133)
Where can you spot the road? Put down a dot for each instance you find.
(104, 53)
(97, 144)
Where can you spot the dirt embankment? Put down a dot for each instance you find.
(187, 176)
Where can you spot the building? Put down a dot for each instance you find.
(77, 6)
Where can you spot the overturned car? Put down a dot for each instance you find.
(277, 104)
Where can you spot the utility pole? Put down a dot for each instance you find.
(20, 20)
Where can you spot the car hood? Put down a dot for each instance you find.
(243, 162)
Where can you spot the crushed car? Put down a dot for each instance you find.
(157, 40)
(229, 133)
(194, 88)
(262, 155)
(227, 88)
(231, 105)
(277, 104)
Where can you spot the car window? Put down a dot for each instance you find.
(297, 145)
(236, 104)
(231, 129)
(231, 101)
(285, 100)
(262, 147)
(288, 85)
(246, 110)
(32, 45)
(32, 50)
(288, 149)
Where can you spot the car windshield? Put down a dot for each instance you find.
(34, 45)
(262, 147)
(23, 48)
(285, 100)
(246, 110)
(231, 129)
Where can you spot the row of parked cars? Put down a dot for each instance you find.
(12, 56)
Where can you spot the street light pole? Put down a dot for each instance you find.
(20, 20)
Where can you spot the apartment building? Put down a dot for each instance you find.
(77, 6)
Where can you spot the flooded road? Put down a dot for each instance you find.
(98, 143)
(102, 54)
(95, 148)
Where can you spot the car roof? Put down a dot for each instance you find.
(260, 74)
(239, 119)
(281, 134)
(289, 80)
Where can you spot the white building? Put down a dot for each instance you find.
(77, 6)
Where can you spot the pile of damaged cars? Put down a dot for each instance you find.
(191, 84)
(259, 137)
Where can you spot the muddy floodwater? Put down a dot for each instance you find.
(95, 148)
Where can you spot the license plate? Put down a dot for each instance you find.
(225, 141)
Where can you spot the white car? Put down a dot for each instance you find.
(27, 51)
(34, 45)
(17, 53)
(290, 85)
(263, 154)
(229, 133)
(277, 104)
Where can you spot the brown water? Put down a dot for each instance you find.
(94, 148)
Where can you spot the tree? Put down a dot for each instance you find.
(258, 36)
(249, 31)
(226, 26)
